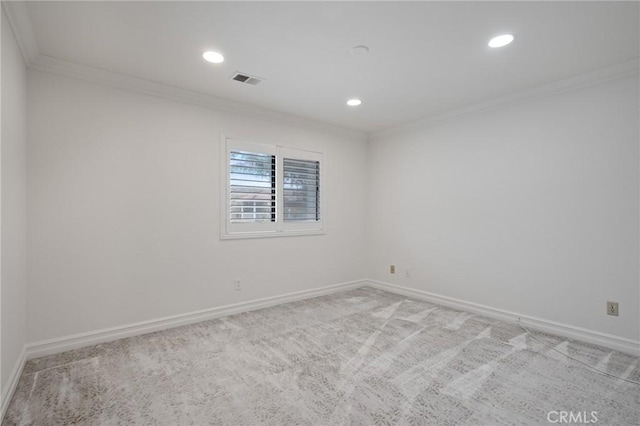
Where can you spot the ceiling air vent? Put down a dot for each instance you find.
(246, 78)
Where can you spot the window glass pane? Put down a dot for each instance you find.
(252, 192)
(301, 190)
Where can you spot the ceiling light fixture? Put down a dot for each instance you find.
(213, 57)
(501, 40)
(354, 102)
(359, 50)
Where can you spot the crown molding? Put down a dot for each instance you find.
(17, 14)
(19, 19)
(53, 65)
(620, 70)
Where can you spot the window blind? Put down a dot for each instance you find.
(252, 192)
(301, 190)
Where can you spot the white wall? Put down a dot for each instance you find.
(124, 210)
(13, 224)
(531, 209)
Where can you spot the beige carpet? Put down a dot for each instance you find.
(362, 357)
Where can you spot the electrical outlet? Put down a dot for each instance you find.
(392, 269)
(612, 308)
(237, 284)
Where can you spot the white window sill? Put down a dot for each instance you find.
(270, 234)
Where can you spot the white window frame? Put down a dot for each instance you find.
(278, 228)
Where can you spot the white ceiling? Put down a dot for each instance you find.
(425, 58)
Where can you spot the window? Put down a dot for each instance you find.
(301, 190)
(271, 191)
(252, 187)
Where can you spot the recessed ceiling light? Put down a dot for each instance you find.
(359, 50)
(354, 102)
(501, 40)
(213, 57)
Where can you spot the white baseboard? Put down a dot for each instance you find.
(12, 384)
(607, 340)
(76, 341)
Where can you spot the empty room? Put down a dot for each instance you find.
(320, 213)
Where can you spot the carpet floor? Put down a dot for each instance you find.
(360, 357)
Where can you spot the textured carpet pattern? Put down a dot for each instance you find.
(362, 357)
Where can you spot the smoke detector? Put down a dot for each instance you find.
(246, 78)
